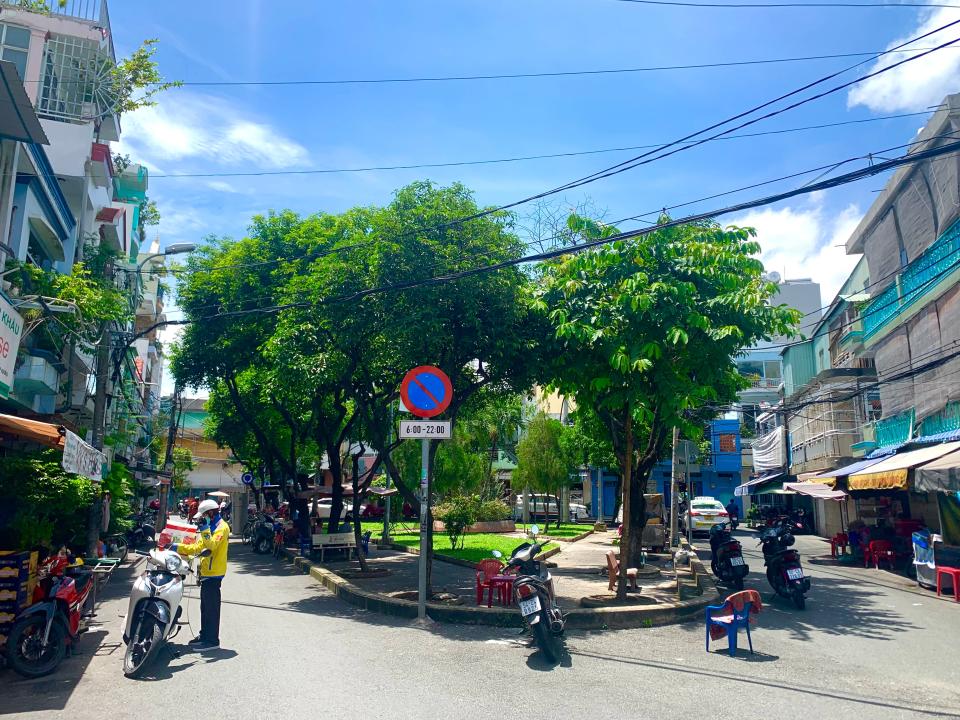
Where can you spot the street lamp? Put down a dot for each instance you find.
(174, 249)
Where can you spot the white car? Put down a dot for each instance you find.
(325, 504)
(545, 506)
(705, 512)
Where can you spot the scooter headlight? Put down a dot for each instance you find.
(174, 563)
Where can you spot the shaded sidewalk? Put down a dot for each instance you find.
(579, 570)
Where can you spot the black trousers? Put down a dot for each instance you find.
(210, 609)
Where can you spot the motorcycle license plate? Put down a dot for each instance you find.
(529, 607)
(795, 573)
(736, 561)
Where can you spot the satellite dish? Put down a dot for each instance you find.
(773, 276)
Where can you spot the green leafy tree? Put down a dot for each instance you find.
(182, 465)
(647, 330)
(41, 503)
(542, 464)
(136, 80)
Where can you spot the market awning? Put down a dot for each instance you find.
(38, 432)
(753, 487)
(815, 477)
(851, 469)
(891, 473)
(815, 490)
(18, 121)
(776, 487)
(941, 475)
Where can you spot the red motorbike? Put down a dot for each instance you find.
(43, 633)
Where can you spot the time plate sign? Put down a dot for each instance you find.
(425, 429)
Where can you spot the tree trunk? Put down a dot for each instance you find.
(356, 511)
(405, 492)
(336, 499)
(626, 538)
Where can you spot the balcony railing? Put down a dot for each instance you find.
(91, 11)
(916, 280)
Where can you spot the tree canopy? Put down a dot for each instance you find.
(647, 330)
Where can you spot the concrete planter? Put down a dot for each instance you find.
(486, 526)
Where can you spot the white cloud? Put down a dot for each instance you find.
(806, 242)
(221, 186)
(186, 126)
(916, 85)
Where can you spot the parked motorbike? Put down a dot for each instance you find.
(154, 609)
(534, 592)
(143, 530)
(264, 532)
(783, 564)
(726, 556)
(47, 630)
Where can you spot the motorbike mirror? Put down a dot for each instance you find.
(534, 530)
(206, 552)
(497, 554)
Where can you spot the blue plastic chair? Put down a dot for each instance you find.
(732, 621)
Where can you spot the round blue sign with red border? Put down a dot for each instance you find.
(426, 391)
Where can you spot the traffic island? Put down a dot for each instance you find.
(691, 592)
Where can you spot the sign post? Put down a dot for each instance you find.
(426, 391)
(11, 326)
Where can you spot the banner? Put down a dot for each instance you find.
(11, 325)
(81, 458)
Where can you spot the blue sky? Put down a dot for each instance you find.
(229, 129)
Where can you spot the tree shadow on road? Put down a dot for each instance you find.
(758, 684)
(836, 606)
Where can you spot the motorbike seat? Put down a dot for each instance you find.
(81, 579)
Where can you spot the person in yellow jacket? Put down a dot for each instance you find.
(213, 535)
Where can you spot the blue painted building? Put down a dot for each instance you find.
(716, 475)
(713, 476)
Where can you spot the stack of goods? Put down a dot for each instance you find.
(177, 532)
(18, 577)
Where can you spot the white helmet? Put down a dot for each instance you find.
(205, 507)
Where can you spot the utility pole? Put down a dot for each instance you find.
(168, 455)
(99, 419)
(674, 484)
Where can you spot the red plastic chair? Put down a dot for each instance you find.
(839, 541)
(486, 571)
(952, 573)
(882, 550)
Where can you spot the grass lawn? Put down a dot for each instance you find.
(475, 547)
(566, 530)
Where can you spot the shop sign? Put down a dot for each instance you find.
(11, 326)
(82, 458)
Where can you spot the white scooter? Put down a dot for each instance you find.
(154, 610)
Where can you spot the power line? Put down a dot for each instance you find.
(570, 250)
(651, 156)
(524, 158)
(541, 241)
(530, 75)
(742, 5)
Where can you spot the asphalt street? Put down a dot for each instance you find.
(869, 645)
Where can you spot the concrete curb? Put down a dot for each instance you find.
(453, 560)
(607, 618)
(573, 539)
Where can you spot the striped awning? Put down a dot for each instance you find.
(815, 490)
(755, 487)
(891, 473)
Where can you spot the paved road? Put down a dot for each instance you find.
(860, 650)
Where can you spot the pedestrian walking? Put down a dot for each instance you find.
(213, 535)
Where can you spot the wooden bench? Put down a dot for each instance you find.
(333, 541)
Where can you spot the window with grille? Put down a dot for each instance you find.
(76, 80)
(14, 44)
